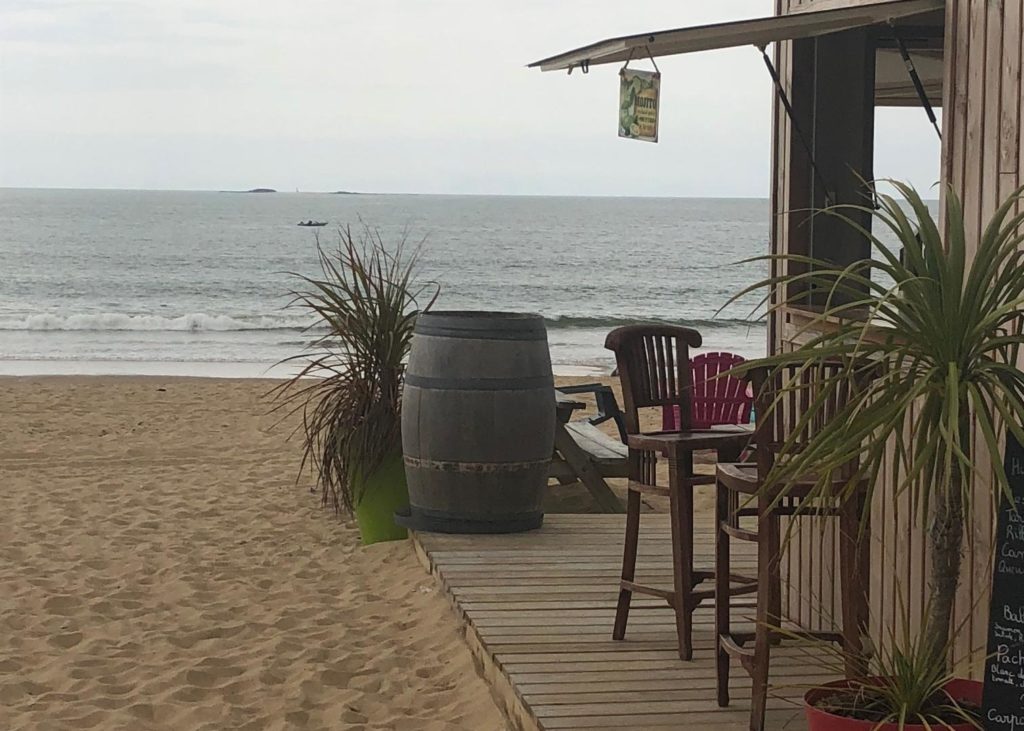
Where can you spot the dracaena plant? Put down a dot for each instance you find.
(940, 328)
(349, 388)
(904, 686)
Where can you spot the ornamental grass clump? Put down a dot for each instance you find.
(940, 326)
(349, 390)
(903, 687)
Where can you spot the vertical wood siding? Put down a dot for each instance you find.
(982, 161)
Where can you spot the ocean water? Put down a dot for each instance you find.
(97, 281)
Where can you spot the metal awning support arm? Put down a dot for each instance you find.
(830, 198)
(916, 79)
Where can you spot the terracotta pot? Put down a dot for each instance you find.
(819, 720)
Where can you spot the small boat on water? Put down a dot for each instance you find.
(312, 223)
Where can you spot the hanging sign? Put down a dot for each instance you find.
(639, 93)
(1003, 700)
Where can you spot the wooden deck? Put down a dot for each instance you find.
(538, 609)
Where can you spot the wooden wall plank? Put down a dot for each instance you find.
(1020, 99)
(1010, 113)
(992, 116)
(974, 111)
(955, 112)
(982, 162)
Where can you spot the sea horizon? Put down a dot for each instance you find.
(275, 191)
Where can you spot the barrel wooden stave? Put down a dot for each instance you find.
(478, 421)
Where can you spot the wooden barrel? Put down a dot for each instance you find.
(478, 416)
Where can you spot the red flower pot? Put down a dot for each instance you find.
(819, 720)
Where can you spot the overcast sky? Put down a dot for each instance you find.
(428, 96)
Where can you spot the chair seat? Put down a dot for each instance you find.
(672, 444)
(738, 477)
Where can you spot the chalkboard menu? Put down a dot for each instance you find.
(1003, 702)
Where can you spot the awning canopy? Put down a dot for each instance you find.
(757, 32)
(893, 87)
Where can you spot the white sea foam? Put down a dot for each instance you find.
(114, 321)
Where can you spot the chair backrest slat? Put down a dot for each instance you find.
(654, 369)
(717, 399)
(784, 396)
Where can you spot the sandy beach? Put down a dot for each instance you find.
(160, 569)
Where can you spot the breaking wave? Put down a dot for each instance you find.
(115, 321)
(202, 322)
(569, 323)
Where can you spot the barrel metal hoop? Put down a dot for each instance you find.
(480, 384)
(474, 467)
(530, 333)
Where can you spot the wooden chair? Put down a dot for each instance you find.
(717, 399)
(654, 368)
(781, 397)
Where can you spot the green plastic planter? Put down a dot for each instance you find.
(384, 493)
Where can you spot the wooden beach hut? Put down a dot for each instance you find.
(833, 63)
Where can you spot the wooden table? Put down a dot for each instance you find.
(581, 454)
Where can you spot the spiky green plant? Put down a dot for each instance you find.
(903, 687)
(349, 389)
(942, 329)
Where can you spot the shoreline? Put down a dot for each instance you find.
(197, 369)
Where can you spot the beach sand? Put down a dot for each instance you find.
(160, 569)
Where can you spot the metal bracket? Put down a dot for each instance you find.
(916, 79)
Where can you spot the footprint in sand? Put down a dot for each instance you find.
(353, 716)
(183, 642)
(296, 718)
(142, 711)
(335, 678)
(190, 694)
(90, 720)
(210, 675)
(271, 677)
(67, 640)
(63, 604)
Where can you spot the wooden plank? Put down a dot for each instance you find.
(585, 469)
(1020, 103)
(596, 443)
(543, 636)
(704, 719)
(1010, 107)
(974, 123)
(982, 163)
(991, 135)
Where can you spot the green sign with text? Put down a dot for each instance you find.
(639, 93)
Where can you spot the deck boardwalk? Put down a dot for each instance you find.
(538, 609)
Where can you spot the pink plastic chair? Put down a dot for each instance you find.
(724, 400)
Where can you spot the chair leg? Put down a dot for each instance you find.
(774, 619)
(767, 566)
(628, 562)
(722, 598)
(681, 508)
